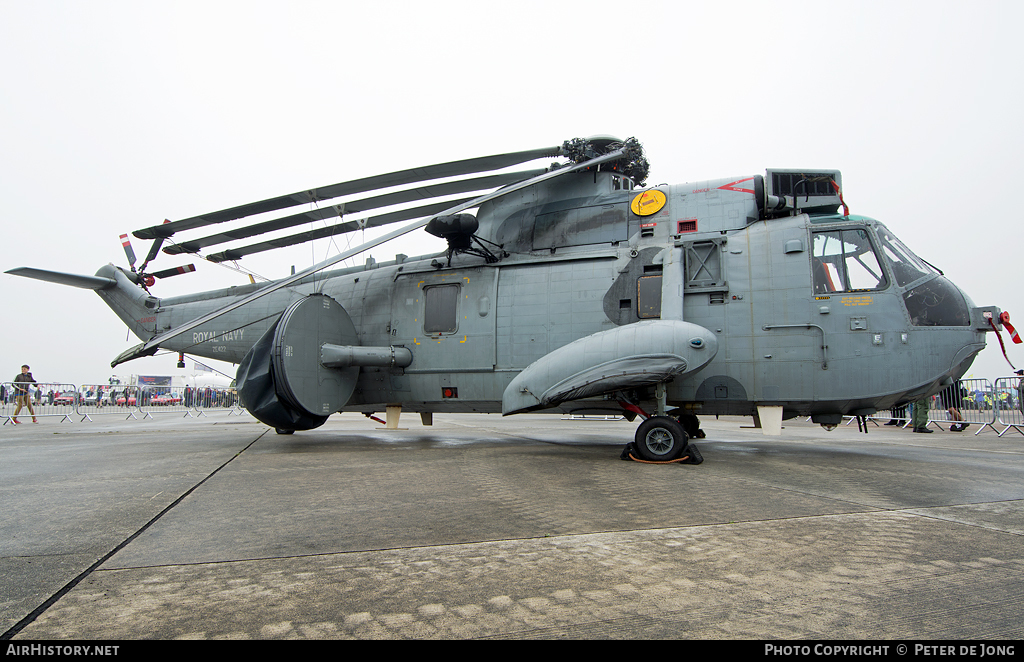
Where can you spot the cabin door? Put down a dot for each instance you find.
(446, 318)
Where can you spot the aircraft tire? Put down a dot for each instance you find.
(283, 431)
(660, 439)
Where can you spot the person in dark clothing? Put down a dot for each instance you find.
(951, 397)
(22, 395)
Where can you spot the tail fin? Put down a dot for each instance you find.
(134, 305)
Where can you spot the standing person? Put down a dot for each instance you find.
(899, 415)
(951, 397)
(22, 395)
(921, 415)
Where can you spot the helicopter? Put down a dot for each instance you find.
(573, 288)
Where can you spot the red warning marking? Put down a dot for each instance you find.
(734, 186)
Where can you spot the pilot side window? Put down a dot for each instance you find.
(844, 261)
(440, 312)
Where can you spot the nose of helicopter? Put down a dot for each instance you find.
(982, 319)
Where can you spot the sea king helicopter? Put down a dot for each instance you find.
(571, 289)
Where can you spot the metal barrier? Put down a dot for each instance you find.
(209, 398)
(973, 398)
(125, 400)
(1008, 399)
(40, 399)
(88, 400)
(896, 416)
(969, 398)
(163, 399)
(95, 399)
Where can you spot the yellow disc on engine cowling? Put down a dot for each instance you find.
(648, 202)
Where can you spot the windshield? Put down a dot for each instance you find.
(906, 267)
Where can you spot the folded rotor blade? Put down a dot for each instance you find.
(375, 202)
(149, 346)
(398, 178)
(338, 228)
(153, 250)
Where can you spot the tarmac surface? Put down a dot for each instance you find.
(523, 527)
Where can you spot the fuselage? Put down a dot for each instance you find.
(821, 313)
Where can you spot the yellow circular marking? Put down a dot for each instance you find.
(648, 202)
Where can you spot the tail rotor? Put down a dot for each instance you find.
(144, 279)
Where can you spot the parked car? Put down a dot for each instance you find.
(166, 399)
(89, 399)
(65, 398)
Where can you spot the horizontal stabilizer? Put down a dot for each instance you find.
(74, 280)
(136, 352)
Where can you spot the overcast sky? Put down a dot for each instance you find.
(117, 115)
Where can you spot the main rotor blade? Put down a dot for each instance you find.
(150, 346)
(153, 250)
(398, 178)
(365, 204)
(339, 228)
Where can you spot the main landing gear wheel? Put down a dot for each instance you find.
(660, 439)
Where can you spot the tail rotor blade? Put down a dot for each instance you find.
(167, 273)
(128, 251)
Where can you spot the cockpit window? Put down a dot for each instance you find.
(906, 267)
(844, 261)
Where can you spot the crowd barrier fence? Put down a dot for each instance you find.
(1010, 412)
(980, 404)
(104, 399)
(164, 400)
(88, 400)
(44, 399)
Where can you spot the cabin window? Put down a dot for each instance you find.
(844, 261)
(648, 297)
(580, 226)
(441, 303)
